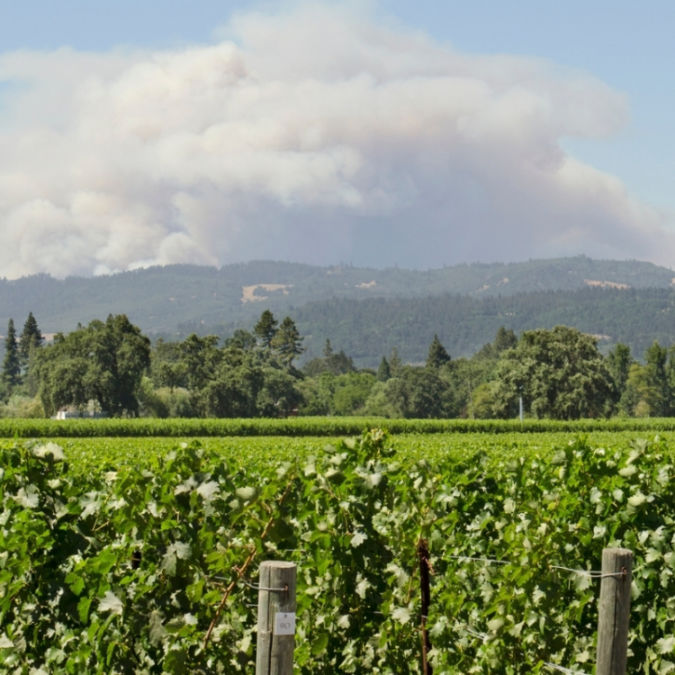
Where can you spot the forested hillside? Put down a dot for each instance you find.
(367, 329)
(182, 298)
(367, 312)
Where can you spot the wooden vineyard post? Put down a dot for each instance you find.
(425, 570)
(276, 618)
(613, 611)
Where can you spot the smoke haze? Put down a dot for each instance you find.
(319, 136)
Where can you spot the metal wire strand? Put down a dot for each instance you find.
(593, 574)
(474, 633)
(467, 558)
(284, 589)
(562, 669)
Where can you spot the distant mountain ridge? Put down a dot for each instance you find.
(175, 300)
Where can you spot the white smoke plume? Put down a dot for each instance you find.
(318, 135)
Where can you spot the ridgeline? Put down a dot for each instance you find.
(367, 312)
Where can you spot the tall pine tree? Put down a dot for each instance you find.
(395, 363)
(383, 371)
(287, 341)
(438, 355)
(266, 328)
(11, 365)
(658, 389)
(31, 338)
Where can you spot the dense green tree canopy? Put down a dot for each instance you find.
(504, 339)
(412, 392)
(279, 395)
(242, 339)
(103, 362)
(251, 375)
(560, 374)
(331, 362)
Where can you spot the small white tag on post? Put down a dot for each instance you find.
(284, 623)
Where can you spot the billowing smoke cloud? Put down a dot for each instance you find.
(318, 136)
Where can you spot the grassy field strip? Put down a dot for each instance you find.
(313, 426)
(112, 452)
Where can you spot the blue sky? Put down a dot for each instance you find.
(620, 52)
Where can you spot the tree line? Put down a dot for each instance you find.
(110, 367)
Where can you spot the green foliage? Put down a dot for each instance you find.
(278, 396)
(395, 363)
(351, 392)
(504, 339)
(266, 328)
(658, 387)
(287, 341)
(330, 394)
(199, 358)
(21, 406)
(332, 362)
(122, 567)
(559, 373)
(242, 379)
(463, 379)
(31, 338)
(370, 327)
(413, 392)
(438, 355)
(464, 304)
(619, 361)
(313, 426)
(11, 364)
(649, 389)
(383, 370)
(117, 569)
(241, 339)
(317, 394)
(633, 399)
(103, 362)
(168, 368)
(541, 512)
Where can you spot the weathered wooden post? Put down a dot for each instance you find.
(276, 618)
(614, 611)
(425, 570)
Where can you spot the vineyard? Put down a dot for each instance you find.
(137, 554)
(313, 426)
